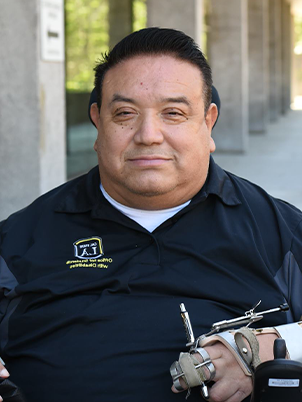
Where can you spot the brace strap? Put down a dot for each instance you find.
(193, 377)
(251, 356)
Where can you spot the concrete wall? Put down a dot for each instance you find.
(32, 110)
(258, 40)
(185, 16)
(228, 54)
(275, 59)
(286, 56)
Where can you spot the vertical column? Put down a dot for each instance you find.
(258, 65)
(286, 57)
(32, 101)
(120, 20)
(296, 87)
(228, 51)
(185, 16)
(275, 58)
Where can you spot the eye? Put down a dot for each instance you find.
(124, 114)
(174, 115)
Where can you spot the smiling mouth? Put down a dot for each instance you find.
(145, 161)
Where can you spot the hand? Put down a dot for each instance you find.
(231, 384)
(3, 374)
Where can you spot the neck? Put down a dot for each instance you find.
(149, 202)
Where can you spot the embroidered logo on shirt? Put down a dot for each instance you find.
(87, 254)
(90, 248)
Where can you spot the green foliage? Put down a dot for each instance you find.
(298, 38)
(139, 14)
(298, 27)
(86, 31)
(87, 38)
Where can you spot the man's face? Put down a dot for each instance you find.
(154, 141)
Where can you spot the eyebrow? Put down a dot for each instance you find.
(180, 99)
(120, 98)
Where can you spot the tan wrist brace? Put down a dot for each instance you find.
(291, 333)
(235, 347)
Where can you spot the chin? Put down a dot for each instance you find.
(150, 190)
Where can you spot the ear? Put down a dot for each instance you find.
(210, 119)
(94, 114)
(95, 145)
(211, 116)
(95, 117)
(212, 145)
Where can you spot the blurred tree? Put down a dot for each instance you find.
(298, 34)
(139, 14)
(298, 50)
(86, 33)
(87, 37)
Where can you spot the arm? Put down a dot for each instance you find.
(231, 384)
(233, 379)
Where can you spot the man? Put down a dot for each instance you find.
(94, 271)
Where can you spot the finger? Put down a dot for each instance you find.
(206, 372)
(179, 384)
(221, 367)
(3, 372)
(238, 396)
(175, 390)
(223, 361)
(230, 390)
(183, 384)
(215, 353)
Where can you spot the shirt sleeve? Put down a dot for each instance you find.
(295, 274)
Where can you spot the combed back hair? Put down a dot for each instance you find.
(155, 41)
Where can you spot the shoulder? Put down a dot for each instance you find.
(264, 206)
(251, 200)
(78, 191)
(270, 222)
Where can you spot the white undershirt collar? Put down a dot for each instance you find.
(150, 220)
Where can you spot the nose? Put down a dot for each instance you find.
(149, 131)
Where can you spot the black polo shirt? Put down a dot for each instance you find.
(89, 300)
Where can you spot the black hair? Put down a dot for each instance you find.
(156, 41)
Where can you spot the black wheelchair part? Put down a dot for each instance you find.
(278, 380)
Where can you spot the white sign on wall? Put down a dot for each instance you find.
(52, 30)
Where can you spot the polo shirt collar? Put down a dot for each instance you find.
(220, 184)
(86, 194)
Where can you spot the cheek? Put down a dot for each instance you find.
(194, 145)
(195, 155)
(112, 145)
